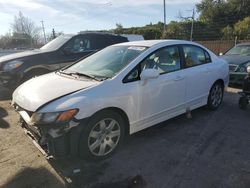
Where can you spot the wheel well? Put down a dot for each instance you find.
(37, 70)
(29, 72)
(121, 112)
(220, 81)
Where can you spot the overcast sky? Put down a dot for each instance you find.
(71, 16)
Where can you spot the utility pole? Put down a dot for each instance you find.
(164, 8)
(44, 32)
(53, 33)
(192, 26)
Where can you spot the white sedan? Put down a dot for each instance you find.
(89, 107)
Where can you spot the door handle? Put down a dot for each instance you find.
(178, 78)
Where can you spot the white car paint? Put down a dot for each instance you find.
(145, 104)
(132, 37)
(37, 91)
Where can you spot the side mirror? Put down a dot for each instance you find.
(149, 74)
(67, 50)
(221, 53)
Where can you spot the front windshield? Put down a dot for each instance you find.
(107, 62)
(239, 50)
(56, 43)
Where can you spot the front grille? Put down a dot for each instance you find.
(232, 68)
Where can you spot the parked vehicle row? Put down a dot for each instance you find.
(238, 59)
(89, 107)
(60, 52)
(245, 94)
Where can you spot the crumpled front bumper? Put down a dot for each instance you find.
(58, 141)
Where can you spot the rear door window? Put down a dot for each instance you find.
(195, 55)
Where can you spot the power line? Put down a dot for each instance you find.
(192, 23)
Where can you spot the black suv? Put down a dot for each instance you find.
(62, 51)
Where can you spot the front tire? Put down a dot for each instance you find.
(215, 96)
(102, 136)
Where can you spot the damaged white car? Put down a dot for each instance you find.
(88, 108)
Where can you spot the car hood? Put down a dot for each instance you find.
(236, 59)
(40, 90)
(20, 55)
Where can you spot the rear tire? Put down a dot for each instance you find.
(102, 136)
(243, 102)
(215, 96)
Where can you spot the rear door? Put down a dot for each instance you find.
(199, 72)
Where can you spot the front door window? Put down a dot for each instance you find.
(79, 44)
(164, 60)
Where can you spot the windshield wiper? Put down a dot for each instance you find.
(102, 78)
(79, 74)
(97, 78)
(82, 74)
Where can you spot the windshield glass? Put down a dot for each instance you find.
(56, 43)
(107, 62)
(239, 50)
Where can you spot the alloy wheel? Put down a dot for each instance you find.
(216, 95)
(104, 137)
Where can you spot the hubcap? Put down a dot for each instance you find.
(104, 137)
(216, 95)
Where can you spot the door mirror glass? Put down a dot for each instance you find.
(149, 74)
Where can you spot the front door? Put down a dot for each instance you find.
(160, 98)
(75, 49)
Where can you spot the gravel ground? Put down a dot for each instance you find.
(21, 164)
(209, 150)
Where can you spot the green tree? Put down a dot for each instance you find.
(150, 31)
(242, 28)
(119, 28)
(223, 12)
(228, 32)
(220, 15)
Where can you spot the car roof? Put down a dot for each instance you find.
(150, 43)
(98, 33)
(92, 33)
(244, 44)
(68, 35)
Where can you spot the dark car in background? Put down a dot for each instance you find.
(238, 59)
(62, 51)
